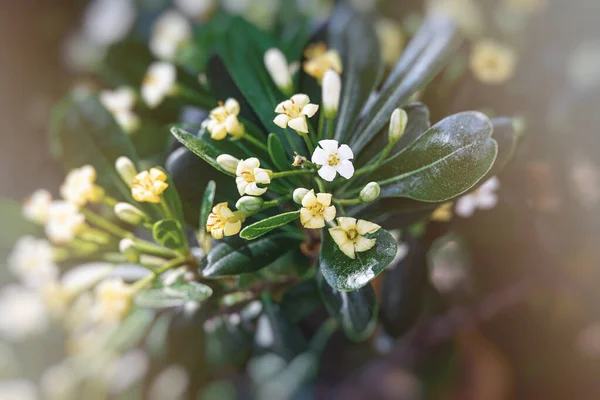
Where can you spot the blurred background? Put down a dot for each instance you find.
(524, 318)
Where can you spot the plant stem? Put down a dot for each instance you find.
(174, 263)
(109, 201)
(330, 128)
(291, 173)
(321, 128)
(166, 209)
(252, 140)
(105, 224)
(349, 202)
(321, 185)
(373, 167)
(153, 249)
(195, 97)
(309, 145)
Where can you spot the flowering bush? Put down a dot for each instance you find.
(301, 164)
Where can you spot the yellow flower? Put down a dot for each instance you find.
(149, 185)
(319, 60)
(224, 120)
(113, 300)
(293, 112)
(349, 235)
(391, 39)
(316, 210)
(224, 222)
(80, 187)
(249, 175)
(492, 62)
(443, 213)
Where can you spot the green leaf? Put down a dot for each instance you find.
(363, 66)
(237, 256)
(267, 225)
(171, 198)
(207, 202)
(424, 57)
(130, 331)
(355, 311)
(300, 300)
(404, 287)
(205, 147)
(346, 274)
(277, 153)
(446, 161)
(170, 234)
(173, 296)
(84, 132)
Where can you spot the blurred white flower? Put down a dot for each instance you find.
(108, 21)
(85, 276)
(113, 300)
(32, 261)
(169, 32)
(280, 71)
(334, 159)
(80, 54)
(65, 222)
(22, 314)
(37, 206)
(120, 102)
(127, 370)
(197, 9)
(159, 82)
(484, 198)
(170, 384)
(18, 389)
(80, 186)
(264, 335)
(583, 66)
(492, 62)
(58, 382)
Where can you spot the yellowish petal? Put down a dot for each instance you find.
(217, 233)
(157, 174)
(324, 198)
(232, 228)
(364, 244)
(364, 227)
(315, 223)
(329, 213)
(282, 121)
(309, 199)
(310, 109)
(305, 216)
(347, 223)
(219, 132)
(253, 190)
(348, 249)
(261, 176)
(339, 236)
(300, 100)
(299, 124)
(241, 185)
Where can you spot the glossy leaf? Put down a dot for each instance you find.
(363, 66)
(419, 65)
(300, 300)
(173, 296)
(355, 311)
(207, 203)
(346, 274)
(236, 256)
(84, 132)
(267, 225)
(169, 233)
(277, 153)
(445, 162)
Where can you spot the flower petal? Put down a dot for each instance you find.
(364, 244)
(315, 223)
(309, 199)
(253, 190)
(310, 109)
(363, 227)
(324, 198)
(329, 145)
(232, 228)
(346, 169)
(329, 213)
(305, 216)
(347, 223)
(282, 121)
(339, 236)
(320, 156)
(219, 132)
(232, 124)
(232, 106)
(241, 185)
(300, 99)
(348, 249)
(299, 124)
(487, 201)
(327, 172)
(491, 185)
(465, 206)
(261, 176)
(345, 152)
(279, 109)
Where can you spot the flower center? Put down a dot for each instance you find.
(351, 234)
(333, 159)
(317, 209)
(248, 176)
(293, 112)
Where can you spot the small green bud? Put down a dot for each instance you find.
(126, 170)
(130, 214)
(249, 204)
(370, 192)
(127, 248)
(398, 123)
(299, 195)
(228, 163)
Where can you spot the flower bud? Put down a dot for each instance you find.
(127, 248)
(370, 192)
(130, 214)
(277, 66)
(249, 204)
(397, 125)
(332, 87)
(228, 163)
(299, 195)
(126, 170)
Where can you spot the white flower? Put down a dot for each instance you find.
(316, 210)
(159, 82)
(293, 112)
(37, 207)
(484, 198)
(332, 88)
(113, 300)
(120, 103)
(80, 187)
(349, 235)
(250, 175)
(108, 21)
(169, 32)
(32, 261)
(22, 313)
(223, 120)
(126, 170)
(281, 72)
(18, 389)
(65, 222)
(334, 159)
(197, 9)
